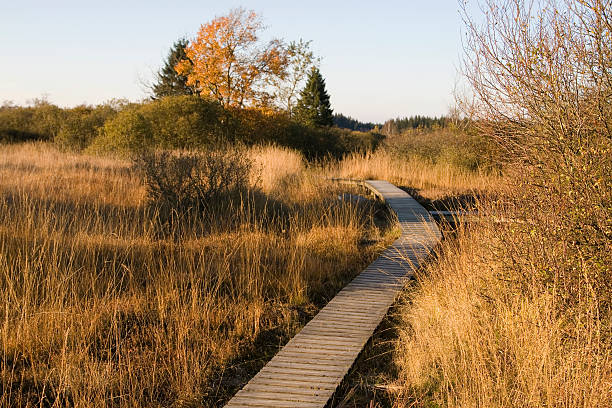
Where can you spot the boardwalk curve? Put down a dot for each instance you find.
(309, 368)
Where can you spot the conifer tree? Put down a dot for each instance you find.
(314, 108)
(169, 81)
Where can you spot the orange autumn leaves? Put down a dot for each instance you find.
(228, 63)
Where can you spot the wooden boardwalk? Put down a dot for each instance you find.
(309, 368)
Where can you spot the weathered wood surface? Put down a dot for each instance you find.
(309, 368)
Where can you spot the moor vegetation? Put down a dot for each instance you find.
(517, 310)
(159, 253)
(172, 122)
(170, 280)
(150, 285)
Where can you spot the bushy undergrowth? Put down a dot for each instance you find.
(460, 148)
(71, 129)
(81, 126)
(127, 133)
(39, 122)
(183, 122)
(173, 122)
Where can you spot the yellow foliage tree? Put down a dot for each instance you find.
(228, 62)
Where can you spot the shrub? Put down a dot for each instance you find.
(255, 127)
(14, 125)
(128, 132)
(252, 126)
(184, 122)
(82, 125)
(174, 122)
(39, 122)
(459, 148)
(356, 141)
(180, 182)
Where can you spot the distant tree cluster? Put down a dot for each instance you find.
(400, 125)
(347, 122)
(227, 62)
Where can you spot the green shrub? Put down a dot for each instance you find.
(15, 125)
(456, 147)
(39, 122)
(82, 125)
(184, 122)
(127, 132)
(174, 122)
(255, 127)
(356, 141)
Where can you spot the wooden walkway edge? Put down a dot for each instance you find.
(309, 368)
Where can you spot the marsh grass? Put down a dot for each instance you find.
(99, 309)
(507, 316)
(436, 184)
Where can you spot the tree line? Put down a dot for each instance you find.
(400, 125)
(347, 122)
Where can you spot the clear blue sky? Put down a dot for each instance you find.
(380, 59)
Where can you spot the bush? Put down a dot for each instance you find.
(462, 149)
(39, 122)
(180, 182)
(255, 127)
(82, 125)
(128, 132)
(173, 122)
(184, 122)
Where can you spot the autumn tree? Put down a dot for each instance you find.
(314, 108)
(169, 81)
(226, 60)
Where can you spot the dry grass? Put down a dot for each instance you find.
(495, 323)
(276, 167)
(98, 309)
(430, 183)
(519, 313)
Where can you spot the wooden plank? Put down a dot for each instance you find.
(281, 394)
(295, 390)
(308, 369)
(240, 401)
(298, 355)
(312, 350)
(338, 369)
(302, 372)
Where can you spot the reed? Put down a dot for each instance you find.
(100, 309)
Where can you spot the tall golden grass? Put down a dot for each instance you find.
(519, 313)
(431, 181)
(494, 323)
(99, 309)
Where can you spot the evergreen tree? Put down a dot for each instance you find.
(313, 108)
(170, 82)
